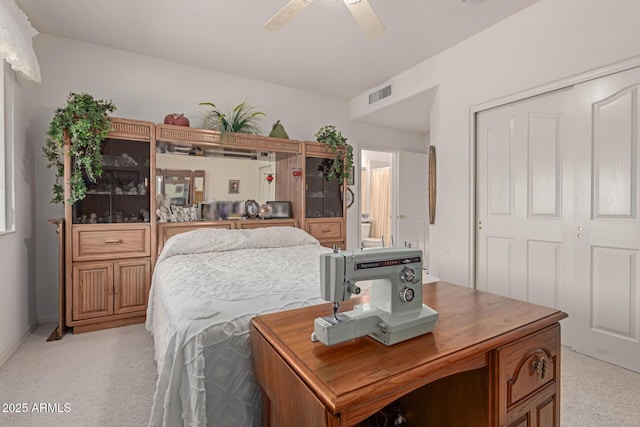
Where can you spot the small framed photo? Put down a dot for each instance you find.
(207, 211)
(234, 186)
(352, 176)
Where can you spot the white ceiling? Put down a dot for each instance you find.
(322, 50)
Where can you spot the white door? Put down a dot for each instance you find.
(522, 188)
(605, 322)
(557, 194)
(410, 200)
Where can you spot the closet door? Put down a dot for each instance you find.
(605, 320)
(523, 193)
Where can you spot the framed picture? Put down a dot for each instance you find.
(234, 186)
(352, 176)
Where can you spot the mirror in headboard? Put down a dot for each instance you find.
(237, 167)
(210, 174)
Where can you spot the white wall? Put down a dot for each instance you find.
(549, 41)
(148, 88)
(17, 250)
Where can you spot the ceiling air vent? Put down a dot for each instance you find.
(380, 94)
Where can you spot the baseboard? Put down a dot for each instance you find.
(8, 352)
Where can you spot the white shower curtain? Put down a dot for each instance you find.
(381, 204)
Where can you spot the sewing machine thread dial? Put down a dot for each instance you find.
(408, 274)
(407, 294)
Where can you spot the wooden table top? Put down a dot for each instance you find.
(470, 324)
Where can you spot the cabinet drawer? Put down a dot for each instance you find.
(96, 244)
(528, 365)
(324, 231)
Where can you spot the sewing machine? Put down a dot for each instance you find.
(395, 311)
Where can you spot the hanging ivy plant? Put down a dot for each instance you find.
(86, 122)
(339, 168)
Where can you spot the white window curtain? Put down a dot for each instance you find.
(16, 47)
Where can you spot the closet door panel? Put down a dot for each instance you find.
(605, 319)
(521, 192)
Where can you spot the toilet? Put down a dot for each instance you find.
(368, 242)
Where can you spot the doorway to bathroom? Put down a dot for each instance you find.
(376, 187)
(393, 199)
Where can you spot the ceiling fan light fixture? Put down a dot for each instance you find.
(361, 10)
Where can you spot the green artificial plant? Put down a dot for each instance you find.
(85, 123)
(333, 138)
(241, 119)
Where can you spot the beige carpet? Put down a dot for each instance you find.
(107, 378)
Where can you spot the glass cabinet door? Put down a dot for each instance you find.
(323, 199)
(121, 194)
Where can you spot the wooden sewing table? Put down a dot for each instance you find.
(491, 361)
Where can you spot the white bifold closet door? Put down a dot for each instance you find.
(557, 191)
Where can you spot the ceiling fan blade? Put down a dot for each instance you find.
(286, 14)
(366, 17)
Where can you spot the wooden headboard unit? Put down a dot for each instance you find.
(168, 229)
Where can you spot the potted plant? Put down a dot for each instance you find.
(340, 168)
(83, 123)
(241, 119)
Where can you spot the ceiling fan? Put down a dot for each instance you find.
(360, 9)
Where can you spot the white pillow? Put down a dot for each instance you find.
(222, 239)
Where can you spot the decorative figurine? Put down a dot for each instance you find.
(128, 160)
(177, 119)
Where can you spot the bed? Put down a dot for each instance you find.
(207, 284)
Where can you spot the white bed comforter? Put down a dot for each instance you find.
(207, 285)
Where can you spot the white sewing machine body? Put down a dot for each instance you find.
(395, 311)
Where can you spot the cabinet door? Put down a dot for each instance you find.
(540, 411)
(131, 284)
(323, 199)
(122, 192)
(92, 290)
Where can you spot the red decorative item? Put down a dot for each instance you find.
(269, 178)
(297, 172)
(177, 119)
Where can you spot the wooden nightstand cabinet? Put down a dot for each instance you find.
(481, 366)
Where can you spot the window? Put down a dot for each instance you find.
(7, 223)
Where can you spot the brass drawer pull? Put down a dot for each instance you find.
(113, 241)
(540, 368)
